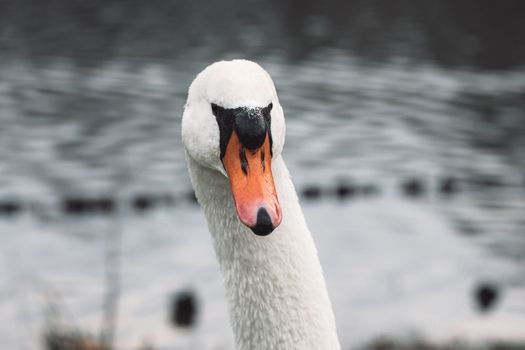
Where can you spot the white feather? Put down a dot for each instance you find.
(275, 286)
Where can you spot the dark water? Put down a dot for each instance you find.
(470, 33)
(449, 142)
(70, 131)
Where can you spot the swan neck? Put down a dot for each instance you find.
(274, 284)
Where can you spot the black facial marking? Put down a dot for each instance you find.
(225, 122)
(266, 112)
(250, 124)
(262, 161)
(244, 161)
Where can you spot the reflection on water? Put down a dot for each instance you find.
(70, 131)
(447, 142)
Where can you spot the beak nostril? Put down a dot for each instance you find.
(264, 225)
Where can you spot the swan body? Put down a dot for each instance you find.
(274, 283)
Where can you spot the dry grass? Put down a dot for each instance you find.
(74, 340)
(70, 340)
(61, 339)
(415, 344)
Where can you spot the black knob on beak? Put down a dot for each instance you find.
(250, 127)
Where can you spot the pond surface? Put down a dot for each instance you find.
(431, 161)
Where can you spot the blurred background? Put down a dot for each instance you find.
(405, 138)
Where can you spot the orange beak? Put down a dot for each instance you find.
(252, 185)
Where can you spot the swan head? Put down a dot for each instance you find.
(233, 123)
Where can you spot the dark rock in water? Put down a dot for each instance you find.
(75, 206)
(311, 192)
(183, 309)
(344, 191)
(142, 202)
(105, 205)
(413, 187)
(448, 186)
(486, 295)
(10, 208)
(82, 206)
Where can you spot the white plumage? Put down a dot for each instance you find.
(275, 286)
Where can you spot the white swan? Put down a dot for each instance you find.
(233, 134)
